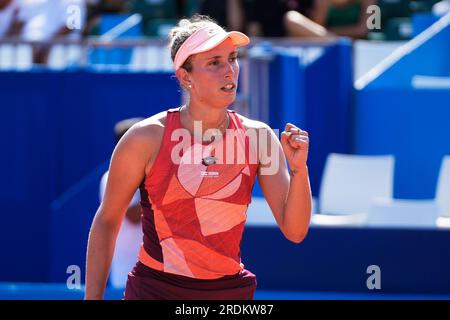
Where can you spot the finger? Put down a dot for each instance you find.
(285, 141)
(299, 142)
(294, 137)
(285, 137)
(289, 126)
(294, 132)
(299, 131)
(300, 139)
(294, 140)
(294, 129)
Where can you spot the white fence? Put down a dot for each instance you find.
(147, 55)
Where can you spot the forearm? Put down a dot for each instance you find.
(99, 255)
(62, 32)
(297, 210)
(355, 31)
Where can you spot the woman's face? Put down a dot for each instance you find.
(214, 76)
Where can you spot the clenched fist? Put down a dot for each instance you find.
(295, 144)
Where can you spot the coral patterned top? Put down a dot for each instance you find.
(194, 211)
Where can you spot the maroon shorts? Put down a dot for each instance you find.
(145, 283)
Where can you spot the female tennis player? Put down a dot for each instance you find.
(195, 166)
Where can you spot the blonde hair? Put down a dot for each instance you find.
(184, 29)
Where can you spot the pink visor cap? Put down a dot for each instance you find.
(206, 39)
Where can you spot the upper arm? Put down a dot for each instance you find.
(273, 175)
(126, 172)
(319, 12)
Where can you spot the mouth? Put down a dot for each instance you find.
(229, 88)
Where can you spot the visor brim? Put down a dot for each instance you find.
(238, 38)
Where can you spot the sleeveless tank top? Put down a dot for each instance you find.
(193, 211)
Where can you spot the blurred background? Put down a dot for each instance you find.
(369, 80)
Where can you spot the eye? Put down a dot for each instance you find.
(214, 63)
(232, 59)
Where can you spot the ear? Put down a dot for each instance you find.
(184, 78)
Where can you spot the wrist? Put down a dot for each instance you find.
(93, 297)
(299, 171)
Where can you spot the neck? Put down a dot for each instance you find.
(209, 117)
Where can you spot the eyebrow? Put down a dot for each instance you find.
(216, 57)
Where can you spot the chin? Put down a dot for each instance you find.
(222, 103)
(230, 99)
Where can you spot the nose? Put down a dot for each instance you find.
(229, 70)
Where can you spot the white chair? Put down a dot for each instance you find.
(350, 184)
(7, 54)
(260, 214)
(74, 55)
(24, 57)
(416, 213)
(443, 194)
(403, 213)
(57, 57)
(137, 59)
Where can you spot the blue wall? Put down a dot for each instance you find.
(328, 90)
(312, 88)
(56, 129)
(57, 136)
(59, 133)
(392, 115)
(411, 124)
(336, 259)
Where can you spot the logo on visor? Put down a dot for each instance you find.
(212, 31)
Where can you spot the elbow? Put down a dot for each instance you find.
(297, 234)
(298, 237)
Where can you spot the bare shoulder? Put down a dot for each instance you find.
(261, 129)
(143, 140)
(259, 126)
(252, 124)
(149, 130)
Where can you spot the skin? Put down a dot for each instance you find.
(40, 51)
(288, 196)
(16, 26)
(4, 4)
(133, 214)
(298, 25)
(358, 30)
